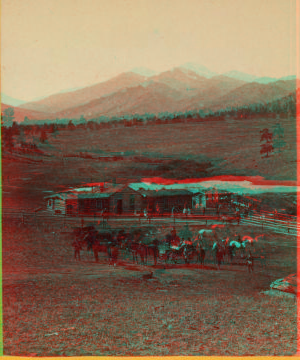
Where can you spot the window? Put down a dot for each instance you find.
(99, 204)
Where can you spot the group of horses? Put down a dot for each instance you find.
(206, 245)
(111, 244)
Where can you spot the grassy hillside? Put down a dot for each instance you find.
(230, 146)
(175, 151)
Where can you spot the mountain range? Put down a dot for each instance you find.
(140, 91)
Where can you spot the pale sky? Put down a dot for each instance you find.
(51, 45)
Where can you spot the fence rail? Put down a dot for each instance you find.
(263, 218)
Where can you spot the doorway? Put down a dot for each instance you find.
(119, 207)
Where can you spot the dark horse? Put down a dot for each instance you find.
(113, 254)
(139, 249)
(153, 248)
(100, 247)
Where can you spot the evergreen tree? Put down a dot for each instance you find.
(267, 147)
(8, 117)
(43, 137)
(71, 126)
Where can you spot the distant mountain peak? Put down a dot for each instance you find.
(198, 69)
(240, 76)
(143, 71)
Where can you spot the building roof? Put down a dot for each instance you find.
(158, 187)
(165, 192)
(104, 195)
(87, 193)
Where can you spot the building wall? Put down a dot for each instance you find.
(59, 206)
(131, 201)
(166, 204)
(93, 206)
(71, 206)
(199, 201)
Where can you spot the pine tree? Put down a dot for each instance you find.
(43, 137)
(266, 147)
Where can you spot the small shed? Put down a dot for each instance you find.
(56, 203)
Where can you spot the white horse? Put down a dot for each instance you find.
(204, 235)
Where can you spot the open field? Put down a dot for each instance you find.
(183, 150)
(54, 305)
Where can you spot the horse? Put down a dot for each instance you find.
(86, 237)
(185, 251)
(174, 254)
(188, 252)
(154, 249)
(77, 248)
(98, 247)
(219, 252)
(201, 255)
(239, 248)
(138, 249)
(207, 234)
(113, 255)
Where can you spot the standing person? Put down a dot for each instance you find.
(219, 256)
(77, 247)
(189, 211)
(200, 252)
(203, 210)
(184, 211)
(250, 262)
(157, 210)
(96, 247)
(155, 251)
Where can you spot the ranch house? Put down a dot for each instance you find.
(126, 199)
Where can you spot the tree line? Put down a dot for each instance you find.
(41, 130)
